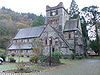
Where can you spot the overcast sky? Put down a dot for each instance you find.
(39, 6)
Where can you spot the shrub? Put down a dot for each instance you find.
(27, 55)
(55, 58)
(2, 51)
(12, 60)
(33, 59)
(21, 68)
(43, 58)
(3, 56)
(79, 57)
(73, 56)
(56, 54)
(13, 54)
(65, 57)
(22, 55)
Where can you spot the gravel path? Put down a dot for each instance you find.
(83, 67)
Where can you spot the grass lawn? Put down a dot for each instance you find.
(6, 66)
(12, 66)
(39, 67)
(67, 61)
(19, 59)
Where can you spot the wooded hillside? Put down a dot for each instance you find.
(11, 21)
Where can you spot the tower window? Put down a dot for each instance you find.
(69, 36)
(53, 13)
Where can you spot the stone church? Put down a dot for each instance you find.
(59, 33)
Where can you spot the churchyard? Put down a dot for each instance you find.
(10, 67)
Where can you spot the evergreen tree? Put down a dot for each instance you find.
(74, 10)
(93, 45)
(40, 20)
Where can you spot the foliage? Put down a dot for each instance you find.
(90, 17)
(40, 20)
(12, 59)
(21, 25)
(78, 57)
(65, 57)
(21, 68)
(22, 55)
(74, 10)
(93, 45)
(6, 31)
(28, 55)
(10, 21)
(98, 25)
(33, 59)
(73, 56)
(2, 51)
(6, 28)
(37, 50)
(3, 57)
(30, 15)
(43, 58)
(56, 54)
(55, 58)
(3, 54)
(4, 42)
(13, 54)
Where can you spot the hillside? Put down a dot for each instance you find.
(11, 21)
(24, 19)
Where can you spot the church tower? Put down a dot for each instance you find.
(57, 16)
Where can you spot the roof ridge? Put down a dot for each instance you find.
(33, 27)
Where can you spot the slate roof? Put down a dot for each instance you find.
(29, 32)
(71, 25)
(21, 46)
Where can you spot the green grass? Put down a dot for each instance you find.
(95, 57)
(67, 61)
(12, 66)
(5, 67)
(20, 59)
(39, 67)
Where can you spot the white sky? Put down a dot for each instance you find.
(39, 6)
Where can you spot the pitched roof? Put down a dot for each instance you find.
(21, 46)
(71, 25)
(29, 32)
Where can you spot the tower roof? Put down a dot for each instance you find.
(60, 5)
